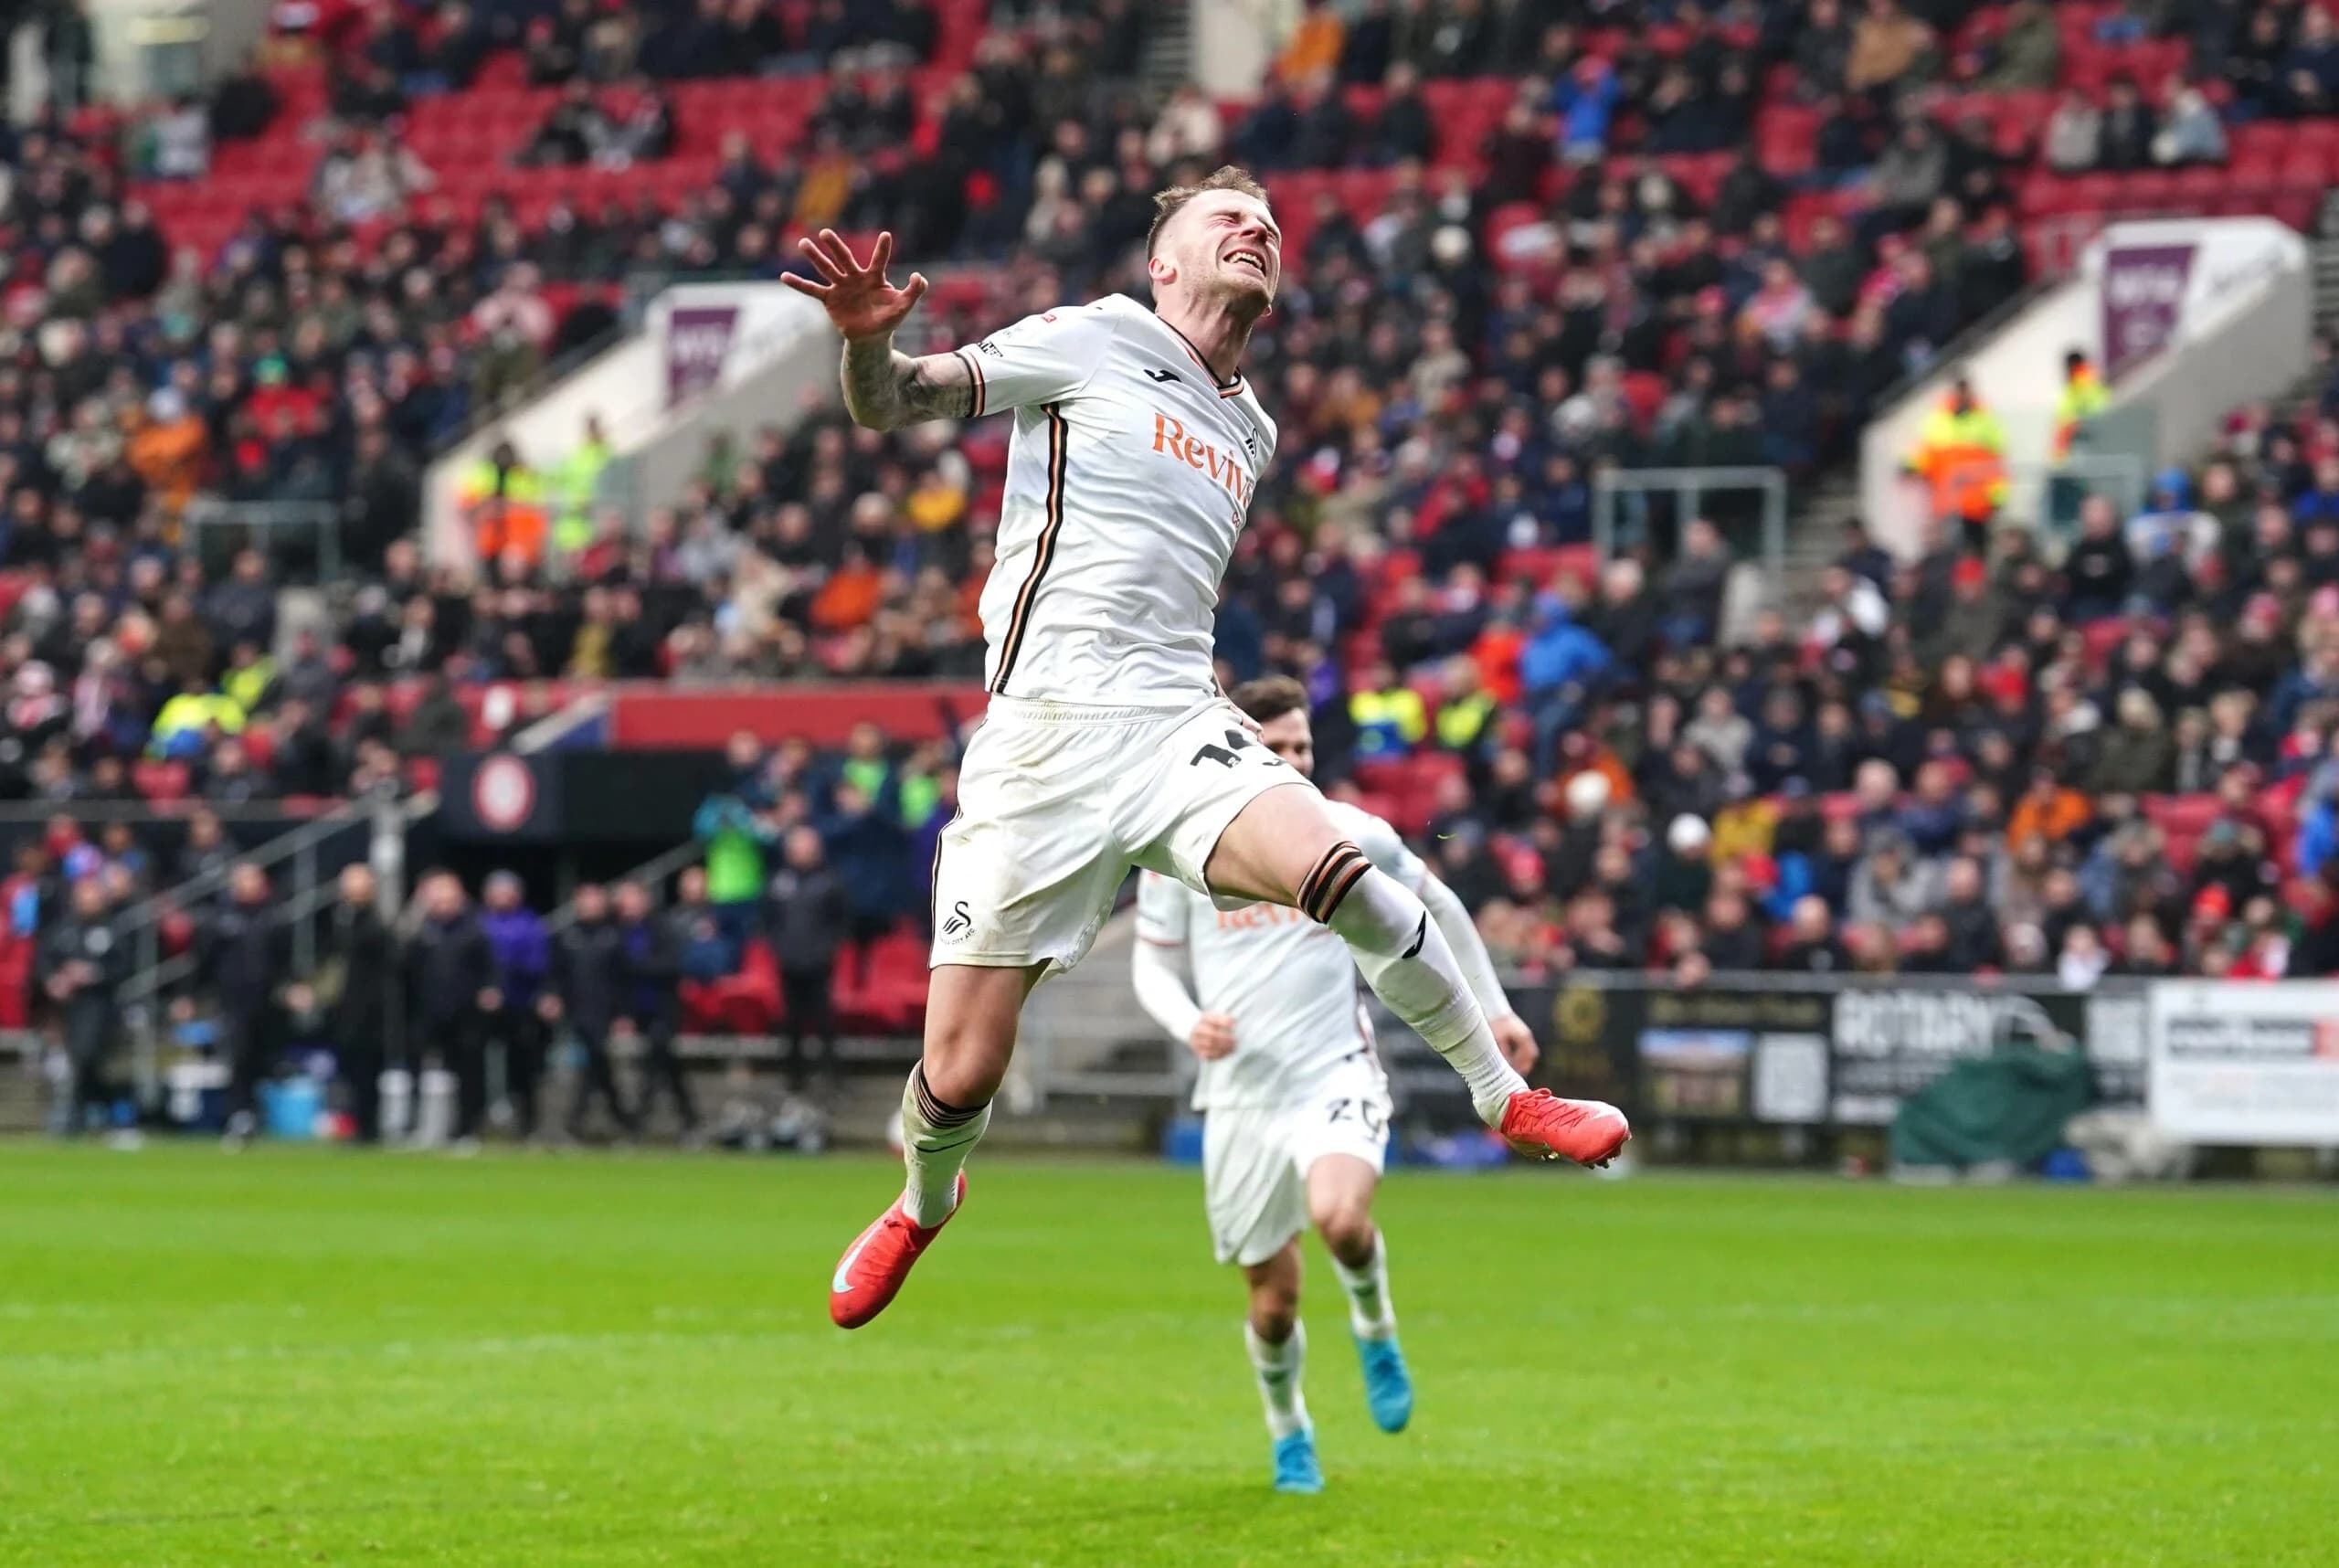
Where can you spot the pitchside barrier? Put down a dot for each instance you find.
(2248, 1064)
(2243, 1063)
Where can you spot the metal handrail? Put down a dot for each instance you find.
(176, 811)
(160, 973)
(652, 873)
(152, 909)
(549, 731)
(1689, 484)
(321, 517)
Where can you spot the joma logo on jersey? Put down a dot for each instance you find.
(1169, 438)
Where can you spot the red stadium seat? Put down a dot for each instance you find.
(2303, 164)
(2148, 190)
(1541, 566)
(160, 781)
(2198, 187)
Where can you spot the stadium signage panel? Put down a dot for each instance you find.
(2143, 297)
(1784, 1052)
(2244, 1062)
(2161, 285)
(1890, 1044)
(503, 793)
(577, 797)
(501, 797)
(711, 336)
(698, 340)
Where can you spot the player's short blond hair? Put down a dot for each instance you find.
(1226, 177)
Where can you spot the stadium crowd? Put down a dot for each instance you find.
(1959, 763)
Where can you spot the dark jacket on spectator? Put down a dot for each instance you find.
(650, 972)
(242, 957)
(305, 763)
(2100, 571)
(1973, 940)
(449, 963)
(809, 918)
(1825, 957)
(92, 1013)
(437, 728)
(587, 974)
(359, 945)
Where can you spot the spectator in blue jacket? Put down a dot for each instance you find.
(1585, 100)
(870, 849)
(2321, 501)
(2318, 836)
(1935, 813)
(1561, 667)
(2316, 681)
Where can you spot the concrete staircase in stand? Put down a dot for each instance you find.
(1168, 61)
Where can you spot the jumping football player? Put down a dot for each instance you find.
(1296, 1105)
(1138, 445)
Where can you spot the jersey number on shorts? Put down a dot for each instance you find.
(1226, 755)
(1364, 1111)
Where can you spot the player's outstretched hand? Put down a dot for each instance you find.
(1516, 1042)
(860, 301)
(1213, 1036)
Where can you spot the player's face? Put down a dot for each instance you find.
(1224, 244)
(1291, 739)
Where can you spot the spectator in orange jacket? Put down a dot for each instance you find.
(171, 448)
(2048, 811)
(850, 597)
(1314, 46)
(1495, 653)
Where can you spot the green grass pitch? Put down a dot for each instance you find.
(316, 1356)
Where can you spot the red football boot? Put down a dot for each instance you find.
(1542, 1126)
(873, 1269)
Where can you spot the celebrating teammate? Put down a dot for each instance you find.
(1106, 744)
(1297, 1108)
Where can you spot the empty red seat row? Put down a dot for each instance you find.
(1543, 566)
(800, 95)
(881, 990)
(2091, 67)
(2271, 138)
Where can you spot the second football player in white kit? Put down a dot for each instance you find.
(1137, 448)
(1295, 1102)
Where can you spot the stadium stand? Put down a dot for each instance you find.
(1529, 242)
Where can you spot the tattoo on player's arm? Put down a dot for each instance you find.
(885, 390)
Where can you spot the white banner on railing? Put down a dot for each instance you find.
(2246, 1062)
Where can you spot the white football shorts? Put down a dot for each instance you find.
(1255, 1158)
(1057, 802)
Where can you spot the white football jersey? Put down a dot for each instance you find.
(1288, 982)
(1128, 476)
